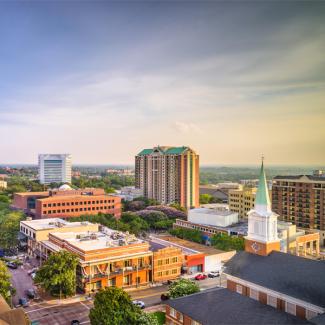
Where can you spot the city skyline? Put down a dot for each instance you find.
(104, 80)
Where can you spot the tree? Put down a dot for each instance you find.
(189, 234)
(227, 243)
(4, 281)
(205, 198)
(58, 274)
(182, 287)
(9, 228)
(113, 306)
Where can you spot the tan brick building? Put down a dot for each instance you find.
(169, 175)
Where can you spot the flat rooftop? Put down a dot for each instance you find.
(188, 247)
(89, 240)
(214, 211)
(53, 223)
(74, 196)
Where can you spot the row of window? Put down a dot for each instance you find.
(76, 203)
(173, 313)
(290, 308)
(167, 261)
(79, 209)
(167, 272)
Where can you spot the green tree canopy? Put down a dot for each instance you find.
(58, 274)
(4, 281)
(227, 243)
(9, 228)
(113, 306)
(182, 287)
(189, 234)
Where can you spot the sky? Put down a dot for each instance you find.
(103, 80)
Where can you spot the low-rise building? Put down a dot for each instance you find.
(129, 193)
(8, 316)
(224, 307)
(66, 202)
(220, 217)
(38, 230)
(106, 258)
(196, 257)
(242, 200)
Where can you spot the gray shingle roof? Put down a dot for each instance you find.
(224, 307)
(292, 275)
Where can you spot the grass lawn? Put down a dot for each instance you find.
(160, 316)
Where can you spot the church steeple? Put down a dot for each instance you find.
(262, 235)
(262, 200)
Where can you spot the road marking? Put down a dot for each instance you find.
(31, 311)
(154, 294)
(84, 306)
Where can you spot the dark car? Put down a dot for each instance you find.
(75, 322)
(164, 296)
(23, 302)
(30, 293)
(12, 265)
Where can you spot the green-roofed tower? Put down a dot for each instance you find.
(169, 175)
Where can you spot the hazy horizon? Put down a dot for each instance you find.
(103, 80)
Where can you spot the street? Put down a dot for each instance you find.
(55, 313)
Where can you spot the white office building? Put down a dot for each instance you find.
(54, 168)
(219, 217)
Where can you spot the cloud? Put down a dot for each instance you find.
(187, 128)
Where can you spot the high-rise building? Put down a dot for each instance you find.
(242, 200)
(54, 168)
(169, 175)
(301, 200)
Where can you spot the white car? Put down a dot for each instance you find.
(214, 274)
(139, 303)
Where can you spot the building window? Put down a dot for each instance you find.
(310, 314)
(167, 261)
(174, 260)
(174, 271)
(181, 317)
(172, 312)
(253, 294)
(194, 322)
(159, 274)
(159, 262)
(239, 288)
(290, 308)
(272, 301)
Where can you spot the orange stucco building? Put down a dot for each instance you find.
(106, 258)
(66, 202)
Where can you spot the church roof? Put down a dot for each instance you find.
(288, 274)
(262, 194)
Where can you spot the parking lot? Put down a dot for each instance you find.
(21, 281)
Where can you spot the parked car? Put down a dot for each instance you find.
(200, 277)
(33, 270)
(139, 303)
(12, 265)
(23, 302)
(30, 293)
(214, 274)
(75, 322)
(164, 296)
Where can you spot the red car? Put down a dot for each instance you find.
(200, 277)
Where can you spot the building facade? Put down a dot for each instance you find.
(106, 258)
(54, 168)
(169, 175)
(301, 200)
(241, 200)
(66, 202)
